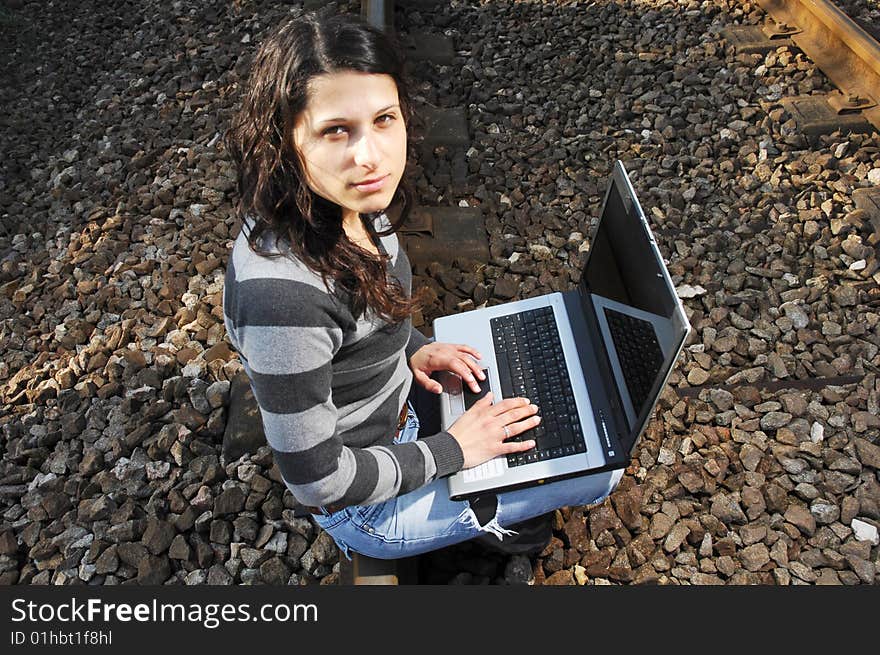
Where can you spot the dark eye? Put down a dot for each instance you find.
(385, 118)
(334, 130)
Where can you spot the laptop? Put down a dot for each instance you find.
(593, 359)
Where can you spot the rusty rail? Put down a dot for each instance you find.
(847, 54)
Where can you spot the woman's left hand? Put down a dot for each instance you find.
(461, 360)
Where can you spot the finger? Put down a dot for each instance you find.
(518, 414)
(475, 367)
(509, 447)
(470, 351)
(507, 404)
(522, 426)
(431, 385)
(461, 369)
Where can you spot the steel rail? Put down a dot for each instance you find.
(841, 49)
(379, 13)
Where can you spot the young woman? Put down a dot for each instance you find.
(317, 303)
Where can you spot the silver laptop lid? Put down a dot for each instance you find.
(625, 266)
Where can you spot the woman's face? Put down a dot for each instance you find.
(352, 140)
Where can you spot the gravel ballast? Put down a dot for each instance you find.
(116, 219)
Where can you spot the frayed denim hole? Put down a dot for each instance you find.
(468, 518)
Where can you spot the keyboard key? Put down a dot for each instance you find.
(531, 364)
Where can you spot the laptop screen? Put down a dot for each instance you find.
(622, 265)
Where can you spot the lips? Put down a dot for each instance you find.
(372, 184)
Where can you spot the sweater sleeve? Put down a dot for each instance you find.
(287, 334)
(416, 341)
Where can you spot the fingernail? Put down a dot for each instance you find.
(535, 407)
(526, 401)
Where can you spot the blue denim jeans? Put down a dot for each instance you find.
(425, 519)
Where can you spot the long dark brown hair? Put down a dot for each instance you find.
(271, 182)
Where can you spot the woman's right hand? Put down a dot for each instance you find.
(481, 434)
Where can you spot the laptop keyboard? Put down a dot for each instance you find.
(638, 351)
(531, 364)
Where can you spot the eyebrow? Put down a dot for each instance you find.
(339, 119)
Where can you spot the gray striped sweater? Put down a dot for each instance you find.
(330, 386)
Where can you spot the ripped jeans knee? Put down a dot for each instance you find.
(482, 514)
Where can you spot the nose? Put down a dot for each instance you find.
(366, 152)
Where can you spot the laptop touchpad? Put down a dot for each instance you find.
(469, 396)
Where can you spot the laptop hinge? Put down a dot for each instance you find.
(607, 408)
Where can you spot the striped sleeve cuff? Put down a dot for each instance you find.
(447, 453)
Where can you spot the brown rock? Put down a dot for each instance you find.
(676, 537)
(596, 563)
(8, 543)
(645, 574)
(620, 568)
(725, 546)
(506, 287)
(691, 480)
(869, 454)
(603, 518)
(776, 498)
(661, 524)
(754, 557)
(561, 578)
(727, 509)
(802, 518)
(628, 506)
(575, 530)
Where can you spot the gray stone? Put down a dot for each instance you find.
(108, 561)
(230, 501)
(727, 509)
(158, 535)
(722, 399)
(824, 511)
(324, 549)
(775, 420)
(180, 549)
(253, 557)
(518, 571)
(217, 394)
(218, 575)
(195, 578)
(153, 570)
(275, 571)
